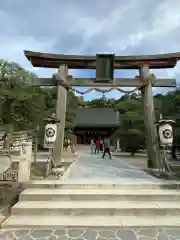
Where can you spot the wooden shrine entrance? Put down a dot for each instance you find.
(105, 65)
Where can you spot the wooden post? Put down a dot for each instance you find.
(149, 119)
(25, 162)
(61, 78)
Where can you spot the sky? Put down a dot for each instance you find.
(123, 27)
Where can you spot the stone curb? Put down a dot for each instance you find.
(68, 171)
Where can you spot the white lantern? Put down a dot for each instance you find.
(50, 135)
(165, 134)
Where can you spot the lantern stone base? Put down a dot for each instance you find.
(58, 170)
(118, 150)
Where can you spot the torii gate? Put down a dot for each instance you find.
(105, 65)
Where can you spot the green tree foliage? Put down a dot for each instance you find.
(23, 107)
(171, 109)
(72, 105)
(19, 102)
(99, 103)
(50, 96)
(131, 128)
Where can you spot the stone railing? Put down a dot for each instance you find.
(17, 139)
(9, 175)
(6, 171)
(22, 172)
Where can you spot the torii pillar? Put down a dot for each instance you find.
(152, 143)
(62, 88)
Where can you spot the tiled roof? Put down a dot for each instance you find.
(96, 117)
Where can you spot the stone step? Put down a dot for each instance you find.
(33, 221)
(106, 184)
(124, 208)
(99, 194)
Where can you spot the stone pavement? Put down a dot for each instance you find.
(93, 166)
(139, 160)
(93, 234)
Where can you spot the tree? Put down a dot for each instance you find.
(19, 102)
(50, 98)
(131, 128)
(72, 105)
(100, 103)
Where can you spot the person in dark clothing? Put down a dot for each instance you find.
(101, 145)
(106, 148)
(97, 147)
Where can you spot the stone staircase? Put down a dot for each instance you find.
(71, 204)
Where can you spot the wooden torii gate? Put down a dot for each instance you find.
(105, 65)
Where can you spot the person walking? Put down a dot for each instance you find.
(101, 145)
(92, 146)
(106, 148)
(97, 147)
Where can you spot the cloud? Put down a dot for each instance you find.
(125, 27)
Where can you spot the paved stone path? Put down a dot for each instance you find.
(93, 166)
(93, 234)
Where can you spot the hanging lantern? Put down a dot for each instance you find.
(104, 68)
(50, 135)
(165, 131)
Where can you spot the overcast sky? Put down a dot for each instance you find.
(123, 27)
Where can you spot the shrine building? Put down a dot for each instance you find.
(95, 123)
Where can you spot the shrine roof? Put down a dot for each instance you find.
(49, 60)
(96, 117)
